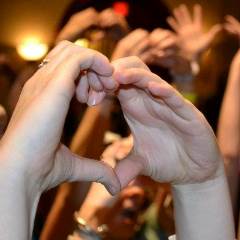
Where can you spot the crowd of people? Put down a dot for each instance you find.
(161, 171)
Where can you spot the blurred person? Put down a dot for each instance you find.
(123, 213)
(182, 149)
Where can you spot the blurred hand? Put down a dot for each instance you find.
(162, 39)
(136, 43)
(31, 144)
(118, 150)
(172, 140)
(232, 25)
(78, 23)
(192, 40)
(165, 52)
(108, 18)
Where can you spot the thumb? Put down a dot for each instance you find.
(128, 169)
(71, 167)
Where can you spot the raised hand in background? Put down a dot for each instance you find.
(192, 39)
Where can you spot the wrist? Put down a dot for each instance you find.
(18, 203)
(204, 209)
(216, 177)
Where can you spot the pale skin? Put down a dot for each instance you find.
(185, 143)
(160, 121)
(40, 114)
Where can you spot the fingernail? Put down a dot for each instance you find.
(95, 97)
(91, 100)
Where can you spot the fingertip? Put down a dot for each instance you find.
(128, 169)
(153, 87)
(109, 83)
(110, 179)
(120, 76)
(95, 97)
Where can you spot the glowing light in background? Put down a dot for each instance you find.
(32, 49)
(83, 42)
(121, 8)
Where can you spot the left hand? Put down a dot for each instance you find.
(30, 148)
(191, 38)
(172, 140)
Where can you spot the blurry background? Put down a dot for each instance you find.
(29, 29)
(39, 18)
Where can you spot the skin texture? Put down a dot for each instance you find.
(36, 165)
(169, 119)
(172, 143)
(183, 152)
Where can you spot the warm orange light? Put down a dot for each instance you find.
(31, 49)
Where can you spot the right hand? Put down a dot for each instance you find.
(192, 40)
(78, 23)
(172, 140)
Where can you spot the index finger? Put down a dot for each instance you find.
(129, 62)
(69, 64)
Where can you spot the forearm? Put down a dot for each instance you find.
(17, 207)
(203, 211)
(229, 120)
(231, 167)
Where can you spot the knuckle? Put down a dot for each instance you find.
(64, 43)
(135, 59)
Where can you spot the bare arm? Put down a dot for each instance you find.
(229, 128)
(32, 159)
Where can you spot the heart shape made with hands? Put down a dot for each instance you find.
(172, 140)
